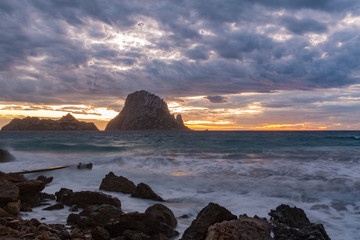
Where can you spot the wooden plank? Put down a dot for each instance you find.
(79, 166)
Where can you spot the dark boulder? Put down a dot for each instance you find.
(5, 156)
(85, 198)
(292, 224)
(113, 183)
(9, 192)
(163, 214)
(144, 191)
(140, 223)
(211, 214)
(100, 233)
(246, 228)
(145, 111)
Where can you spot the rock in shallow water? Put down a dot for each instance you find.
(5, 156)
(292, 224)
(163, 214)
(144, 191)
(113, 183)
(211, 214)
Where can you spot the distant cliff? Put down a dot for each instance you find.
(145, 111)
(66, 123)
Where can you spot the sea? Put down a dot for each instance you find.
(248, 172)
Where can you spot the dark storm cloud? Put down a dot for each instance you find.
(217, 99)
(67, 51)
(301, 26)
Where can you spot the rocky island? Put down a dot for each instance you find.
(66, 123)
(146, 111)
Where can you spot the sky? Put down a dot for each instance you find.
(224, 65)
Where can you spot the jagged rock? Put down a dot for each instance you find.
(292, 224)
(246, 228)
(145, 111)
(140, 223)
(9, 192)
(30, 192)
(113, 183)
(144, 191)
(5, 156)
(163, 214)
(211, 214)
(66, 123)
(85, 198)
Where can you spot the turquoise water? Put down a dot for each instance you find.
(246, 172)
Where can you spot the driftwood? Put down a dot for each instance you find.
(79, 166)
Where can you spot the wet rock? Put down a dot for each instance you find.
(5, 156)
(85, 198)
(100, 233)
(246, 228)
(211, 214)
(113, 183)
(141, 223)
(100, 215)
(163, 214)
(293, 217)
(54, 207)
(9, 192)
(144, 191)
(292, 224)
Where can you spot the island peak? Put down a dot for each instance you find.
(66, 123)
(146, 111)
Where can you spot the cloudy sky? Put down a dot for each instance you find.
(231, 65)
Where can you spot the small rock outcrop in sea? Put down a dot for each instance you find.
(144, 191)
(66, 123)
(146, 111)
(292, 224)
(113, 183)
(211, 214)
(5, 156)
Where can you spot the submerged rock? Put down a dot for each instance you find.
(211, 214)
(293, 224)
(5, 156)
(246, 228)
(144, 191)
(113, 183)
(66, 123)
(145, 111)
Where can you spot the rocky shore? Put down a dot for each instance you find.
(99, 216)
